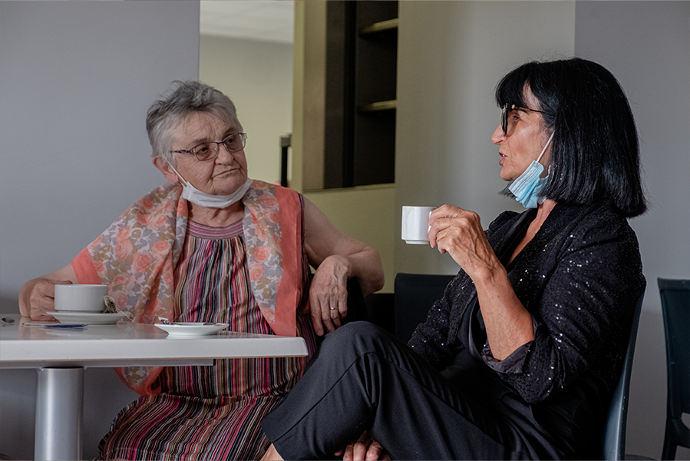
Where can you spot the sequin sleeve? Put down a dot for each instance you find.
(591, 277)
(431, 340)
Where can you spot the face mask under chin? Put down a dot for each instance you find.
(194, 195)
(527, 187)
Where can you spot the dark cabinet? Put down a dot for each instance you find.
(361, 66)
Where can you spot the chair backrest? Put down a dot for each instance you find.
(675, 307)
(414, 294)
(376, 308)
(614, 436)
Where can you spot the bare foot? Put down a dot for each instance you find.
(271, 455)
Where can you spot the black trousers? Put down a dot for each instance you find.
(365, 379)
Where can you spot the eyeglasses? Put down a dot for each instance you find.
(505, 111)
(209, 150)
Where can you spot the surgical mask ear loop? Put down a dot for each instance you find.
(542, 151)
(184, 181)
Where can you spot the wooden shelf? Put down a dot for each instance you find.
(378, 106)
(361, 74)
(379, 26)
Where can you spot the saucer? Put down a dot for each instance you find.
(191, 328)
(92, 318)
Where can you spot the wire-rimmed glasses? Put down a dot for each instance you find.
(209, 150)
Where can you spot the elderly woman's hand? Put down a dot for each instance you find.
(365, 448)
(41, 298)
(37, 296)
(459, 233)
(328, 294)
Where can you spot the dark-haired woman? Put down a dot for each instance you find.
(519, 358)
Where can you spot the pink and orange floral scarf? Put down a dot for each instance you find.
(137, 255)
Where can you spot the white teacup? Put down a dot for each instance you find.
(80, 298)
(415, 224)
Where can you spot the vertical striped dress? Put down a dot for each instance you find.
(212, 412)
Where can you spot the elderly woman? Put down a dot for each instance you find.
(519, 358)
(212, 245)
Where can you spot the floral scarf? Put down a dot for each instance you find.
(137, 255)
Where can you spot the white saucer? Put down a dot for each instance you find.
(191, 328)
(92, 318)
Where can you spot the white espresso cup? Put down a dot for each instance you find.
(80, 298)
(415, 224)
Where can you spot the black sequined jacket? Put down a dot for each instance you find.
(579, 277)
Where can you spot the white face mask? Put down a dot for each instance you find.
(527, 187)
(197, 197)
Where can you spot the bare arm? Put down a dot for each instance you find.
(336, 258)
(37, 295)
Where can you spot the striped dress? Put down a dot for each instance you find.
(210, 412)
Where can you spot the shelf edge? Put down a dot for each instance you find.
(378, 106)
(379, 26)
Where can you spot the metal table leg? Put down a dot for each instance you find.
(59, 413)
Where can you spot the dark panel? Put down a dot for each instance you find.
(340, 56)
(369, 12)
(360, 70)
(376, 67)
(374, 158)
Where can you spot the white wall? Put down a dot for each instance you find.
(451, 56)
(257, 76)
(76, 79)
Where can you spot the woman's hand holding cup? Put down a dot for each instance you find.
(39, 298)
(459, 233)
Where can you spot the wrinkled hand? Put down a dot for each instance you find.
(42, 298)
(328, 294)
(459, 233)
(365, 448)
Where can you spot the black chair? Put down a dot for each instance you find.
(613, 446)
(414, 296)
(376, 308)
(675, 307)
(381, 310)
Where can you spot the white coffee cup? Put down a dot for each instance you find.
(80, 298)
(415, 224)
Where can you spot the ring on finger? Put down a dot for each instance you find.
(333, 308)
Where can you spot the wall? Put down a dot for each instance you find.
(647, 46)
(365, 213)
(76, 79)
(257, 76)
(451, 56)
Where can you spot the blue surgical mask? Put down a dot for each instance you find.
(194, 195)
(527, 187)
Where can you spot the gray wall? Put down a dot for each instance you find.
(76, 79)
(647, 46)
(451, 56)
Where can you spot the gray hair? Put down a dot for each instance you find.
(167, 113)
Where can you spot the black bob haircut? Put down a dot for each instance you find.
(594, 152)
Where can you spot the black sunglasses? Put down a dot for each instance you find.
(504, 115)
